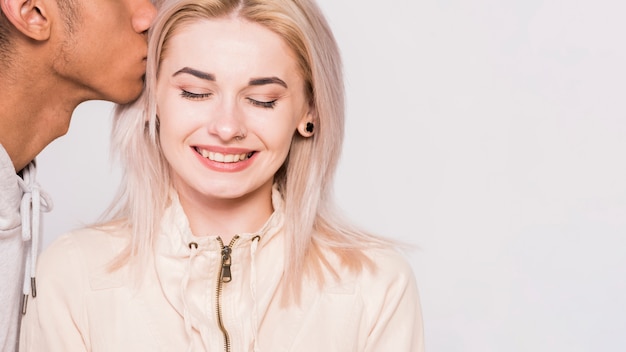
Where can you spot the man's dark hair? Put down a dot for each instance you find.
(70, 11)
(4, 36)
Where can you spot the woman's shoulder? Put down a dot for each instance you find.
(390, 287)
(379, 268)
(89, 242)
(384, 286)
(389, 265)
(86, 253)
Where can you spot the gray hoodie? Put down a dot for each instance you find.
(21, 202)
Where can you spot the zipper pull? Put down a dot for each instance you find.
(226, 251)
(226, 276)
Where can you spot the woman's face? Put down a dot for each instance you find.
(230, 98)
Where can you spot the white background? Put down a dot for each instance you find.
(489, 133)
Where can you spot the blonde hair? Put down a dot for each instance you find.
(312, 223)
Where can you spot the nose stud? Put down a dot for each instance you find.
(240, 136)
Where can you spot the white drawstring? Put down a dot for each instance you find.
(255, 313)
(34, 201)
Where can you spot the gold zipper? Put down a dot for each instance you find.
(223, 277)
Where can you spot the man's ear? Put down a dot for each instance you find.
(30, 17)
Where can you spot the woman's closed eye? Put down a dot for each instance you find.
(263, 104)
(193, 96)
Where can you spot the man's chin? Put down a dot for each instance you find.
(128, 96)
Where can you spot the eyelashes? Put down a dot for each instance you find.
(202, 96)
(263, 104)
(194, 96)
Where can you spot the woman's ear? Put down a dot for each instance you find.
(306, 128)
(30, 17)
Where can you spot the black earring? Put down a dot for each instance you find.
(309, 127)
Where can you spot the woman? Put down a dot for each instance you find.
(224, 236)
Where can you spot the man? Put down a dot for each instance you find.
(54, 55)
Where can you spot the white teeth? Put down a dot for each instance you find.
(224, 158)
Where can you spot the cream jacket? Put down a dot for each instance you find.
(198, 294)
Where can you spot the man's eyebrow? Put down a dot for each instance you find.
(195, 73)
(267, 80)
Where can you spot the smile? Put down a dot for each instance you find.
(224, 158)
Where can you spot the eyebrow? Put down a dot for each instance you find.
(195, 73)
(267, 80)
(210, 77)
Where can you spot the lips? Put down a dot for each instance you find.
(223, 157)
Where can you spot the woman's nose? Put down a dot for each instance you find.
(228, 122)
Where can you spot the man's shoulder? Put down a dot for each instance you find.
(11, 196)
